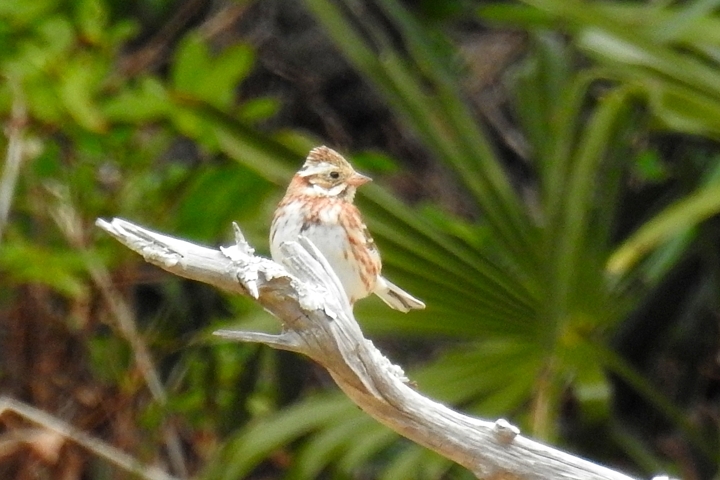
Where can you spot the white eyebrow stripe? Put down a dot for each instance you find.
(306, 171)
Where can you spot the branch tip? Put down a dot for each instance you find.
(285, 341)
(240, 241)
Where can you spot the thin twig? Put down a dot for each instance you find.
(15, 131)
(93, 444)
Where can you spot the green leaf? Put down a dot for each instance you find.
(257, 109)
(271, 159)
(59, 269)
(145, 102)
(375, 162)
(324, 448)
(685, 110)
(225, 73)
(231, 192)
(191, 62)
(256, 441)
(23, 13)
(211, 78)
(649, 167)
(92, 18)
(78, 86)
(673, 221)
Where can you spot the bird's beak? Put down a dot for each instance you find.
(358, 179)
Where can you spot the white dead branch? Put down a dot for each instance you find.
(305, 295)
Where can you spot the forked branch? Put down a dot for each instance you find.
(304, 294)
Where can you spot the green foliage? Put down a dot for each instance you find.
(97, 144)
(59, 269)
(213, 80)
(672, 223)
(665, 52)
(531, 289)
(523, 303)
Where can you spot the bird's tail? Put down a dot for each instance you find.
(396, 297)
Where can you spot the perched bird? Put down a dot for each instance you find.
(318, 204)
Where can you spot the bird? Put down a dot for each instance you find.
(318, 204)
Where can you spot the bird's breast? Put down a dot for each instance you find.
(338, 240)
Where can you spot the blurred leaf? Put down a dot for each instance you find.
(148, 101)
(231, 193)
(77, 86)
(650, 167)
(423, 464)
(59, 269)
(374, 162)
(684, 110)
(212, 78)
(33, 55)
(323, 449)
(257, 109)
(269, 158)
(192, 60)
(673, 221)
(639, 452)
(110, 358)
(22, 13)
(227, 70)
(92, 18)
(514, 14)
(365, 447)
(250, 446)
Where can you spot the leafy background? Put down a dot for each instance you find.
(547, 180)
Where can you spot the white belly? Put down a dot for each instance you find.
(329, 238)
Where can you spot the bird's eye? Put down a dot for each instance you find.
(334, 175)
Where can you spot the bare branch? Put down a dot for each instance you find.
(306, 296)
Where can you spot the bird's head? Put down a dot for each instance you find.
(326, 173)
